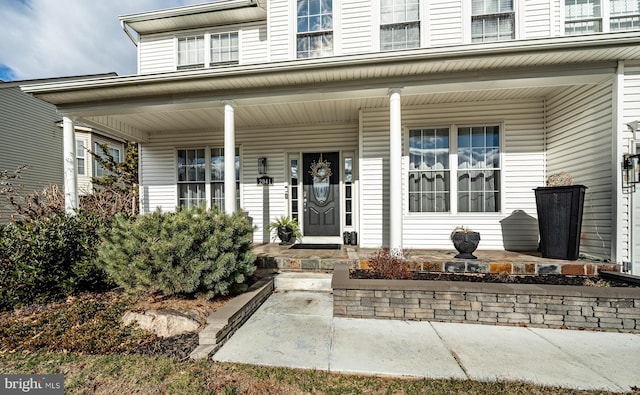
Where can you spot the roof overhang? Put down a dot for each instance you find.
(201, 15)
(333, 89)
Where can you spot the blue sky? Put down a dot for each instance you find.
(56, 38)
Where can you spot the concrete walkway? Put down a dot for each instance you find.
(295, 328)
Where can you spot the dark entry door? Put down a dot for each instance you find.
(321, 204)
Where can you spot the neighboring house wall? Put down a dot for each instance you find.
(579, 141)
(522, 170)
(29, 136)
(159, 166)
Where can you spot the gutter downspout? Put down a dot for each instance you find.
(123, 24)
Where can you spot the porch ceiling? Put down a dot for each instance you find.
(303, 112)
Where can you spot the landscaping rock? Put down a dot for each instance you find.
(164, 323)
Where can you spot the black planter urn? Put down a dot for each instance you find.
(466, 243)
(560, 220)
(285, 234)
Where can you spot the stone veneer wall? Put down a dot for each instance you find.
(550, 306)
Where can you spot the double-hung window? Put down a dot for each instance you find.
(191, 177)
(429, 171)
(314, 28)
(492, 20)
(217, 178)
(625, 15)
(98, 170)
(399, 24)
(470, 154)
(80, 157)
(582, 16)
(191, 52)
(198, 184)
(479, 169)
(224, 48)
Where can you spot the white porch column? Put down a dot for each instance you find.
(395, 172)
(229, 159)
(69, 167)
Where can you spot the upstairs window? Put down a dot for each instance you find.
(191, 52)
(224, 48)
(492, 20)
(399, 24)
(582, 16)
(625, 15)
(315, 28)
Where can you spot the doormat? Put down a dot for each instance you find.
(308, 246)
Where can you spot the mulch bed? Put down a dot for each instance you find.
(549, 279)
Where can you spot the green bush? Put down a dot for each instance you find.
(191, 251)
(46, 259)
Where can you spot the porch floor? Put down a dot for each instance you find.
(275, 256)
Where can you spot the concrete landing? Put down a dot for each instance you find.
(297, 329)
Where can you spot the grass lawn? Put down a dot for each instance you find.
(82, 339)
(128, 374)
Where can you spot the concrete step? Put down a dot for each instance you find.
(303, 281)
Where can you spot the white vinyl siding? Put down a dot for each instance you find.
(158, 164)
(254, 47)
(29, 137)
(444, 23)
(356, 19)
(157, 54)
(579, 141)
(514, 227)
(537, 18)
(282, 22)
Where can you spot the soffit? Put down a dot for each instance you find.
(341, 74)
(191, 17)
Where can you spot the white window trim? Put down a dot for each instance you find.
(519, 20)
(605, 18)
(207, 172)
(83, 157)
(293, 22)
(453, 169)
(207, 46)
(376, 25)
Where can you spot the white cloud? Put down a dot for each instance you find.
(54, 38)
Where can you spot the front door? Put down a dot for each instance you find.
(321, 199)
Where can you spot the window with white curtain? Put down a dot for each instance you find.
(433, 165)
(191, 52)
(479, 169)
(625, 15)
(217, 178)
(593, 16)
(582, 16)
(191, 177)
(492, 20)
(314, 28)
(224, 48)
(429, 173)
(399, 24)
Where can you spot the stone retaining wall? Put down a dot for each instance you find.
(224, 322)
(551, 306)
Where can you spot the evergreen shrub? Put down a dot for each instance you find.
(190, 251)
(45, 259)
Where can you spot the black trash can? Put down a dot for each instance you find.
(560, 220)
(354, 238)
